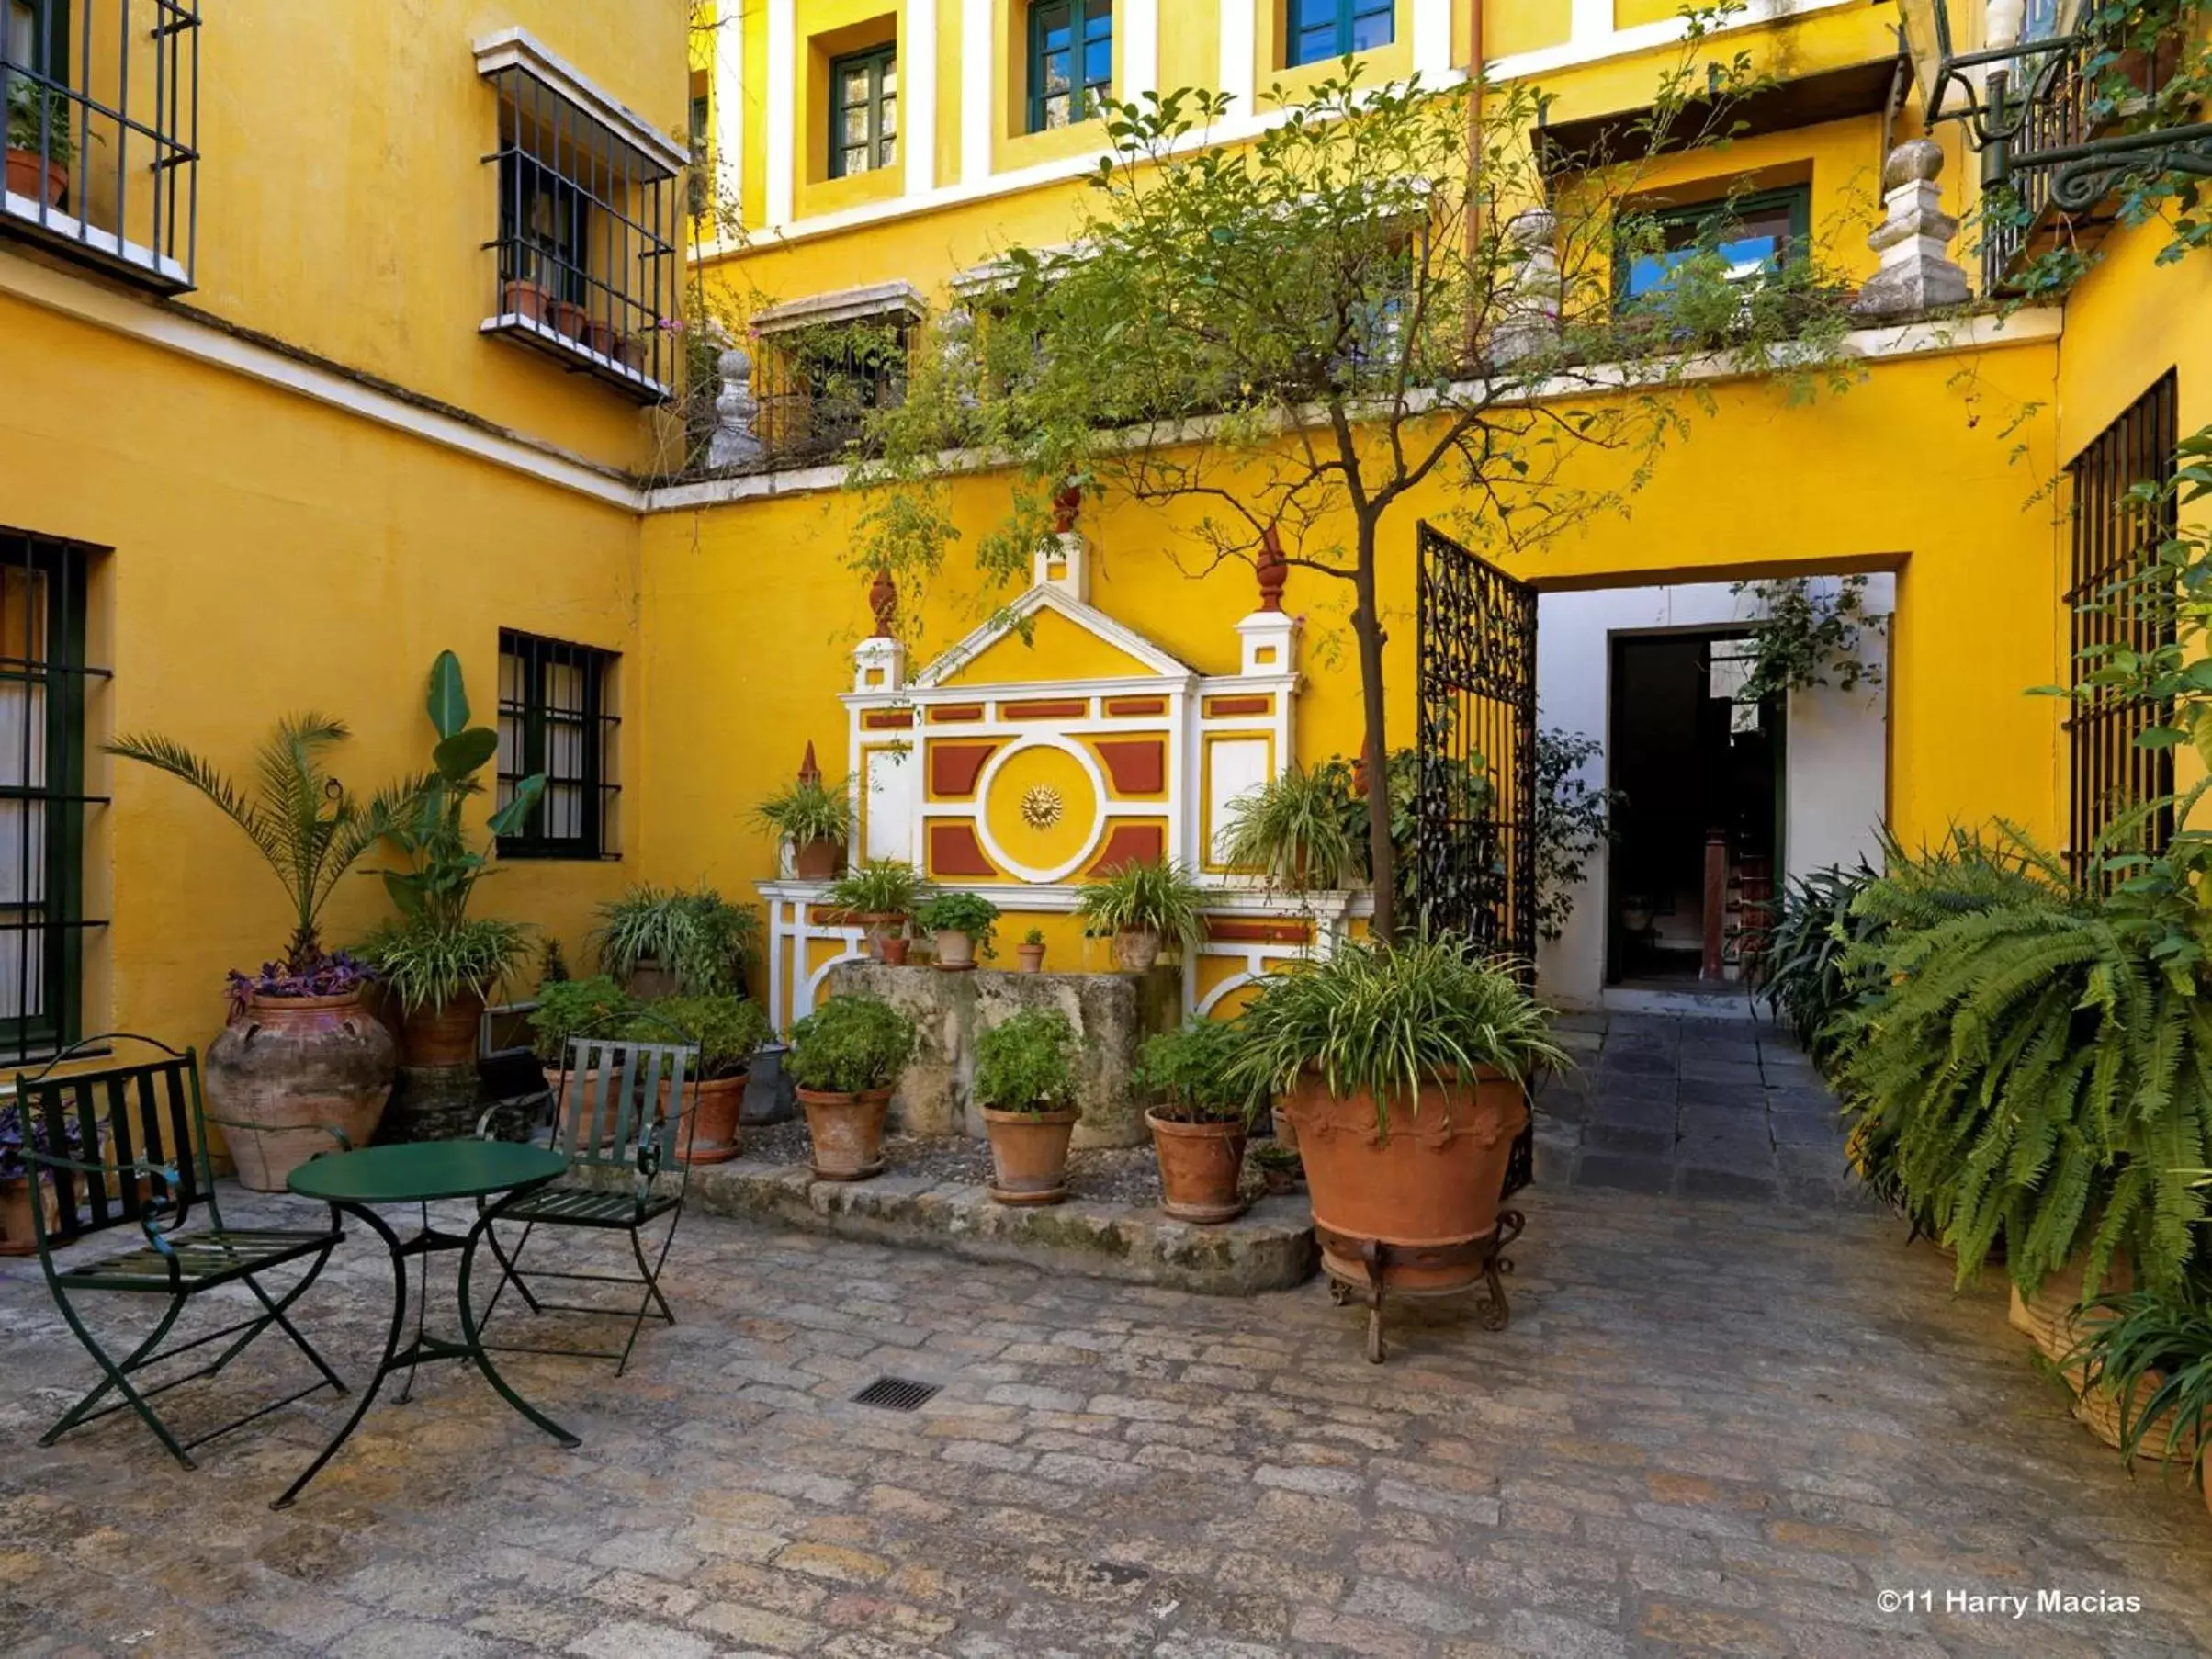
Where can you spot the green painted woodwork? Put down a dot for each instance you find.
(424, 1170)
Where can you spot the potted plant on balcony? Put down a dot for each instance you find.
(814, 821)
(301, 1052)
(881, 895)
(441, 964)
(19, 1187)
(729, 1030)
(1143, 907)
(1031, 951)
(845, 1057)
(960, 926)
(1025, 1084)
(1404, 1069)
(42, 139)
(661, 940)
(1204, 1109)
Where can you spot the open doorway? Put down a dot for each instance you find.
(1698, 833)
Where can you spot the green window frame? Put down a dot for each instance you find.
(1315, 31)
(45, 588)
(556, 716)
(1070, 61)
(871, 140)
(1682, 228)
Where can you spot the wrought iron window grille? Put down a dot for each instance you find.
(585, 257)
(816, 386)
(556, 716)
(101, 101)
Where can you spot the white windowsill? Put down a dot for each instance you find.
(107, 243)
(514, 322)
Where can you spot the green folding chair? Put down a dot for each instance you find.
(624, 1105)
(143, 1135)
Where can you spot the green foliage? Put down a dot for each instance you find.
(808, 810)
(695, 934)
(1027, 1063)
(1194, 1071)
(881, 887)
(1801, 975)
(1385, 1017)
(1158, 898)
(429, 964)
(596, 1006)
(2164, 1338)
(1573, 817)
(1808, 634)
(729, 1030)
(1297, 831)
(553, 966)
(1034, 936)
(969, 913)
(305, 824)
(849, 1044)
(39, 119)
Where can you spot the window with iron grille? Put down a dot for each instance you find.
(102, 109)
(584, 266)
(817, 385)
(864, 112)
(1070, 61)
(44, 679)
(1754, 234)
(556, 716)
(1322, 30)
(2116, 531)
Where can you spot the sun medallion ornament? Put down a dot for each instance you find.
(1042, 807)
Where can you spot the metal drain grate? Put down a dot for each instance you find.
(895, 1394)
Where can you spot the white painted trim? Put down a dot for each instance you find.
(1090, 618)
(842, 305)
(1140, 26)
(918, 96)
(978, 57)
(730, 107)
(1431, 39)
(1592, 36)
(975, 811)
(509, 322)
(783, 111)
(518, 49)
(98, 306)
(54, 222)
(1239, 56)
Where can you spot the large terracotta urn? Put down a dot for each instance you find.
(444, 1033)
(290, 1068)
(1428, 1176)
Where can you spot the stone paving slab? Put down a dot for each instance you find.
(1710, 1428)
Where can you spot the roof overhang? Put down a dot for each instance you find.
(1829, 95)
(518, 51)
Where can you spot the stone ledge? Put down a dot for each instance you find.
(1270, 1248)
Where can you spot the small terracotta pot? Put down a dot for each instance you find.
(527, 299)
(1137, 950)
(881, 926)
(714, 1133)
(571, 1089)
(648, 981)
(1200, 1167)
(817, 861)
(955, 951)
(19, 1227)
(571, 319)
(629, 353)
(602, 338)
(895, 949)
(1033, 957)
(1029, 1151)
(847, 1133)
(32, 174)
(444, 1036)
(1433, 1180)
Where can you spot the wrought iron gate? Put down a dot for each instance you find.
(1475, 801)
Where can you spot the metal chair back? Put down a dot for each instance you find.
(624, 1103)
(112, 1117)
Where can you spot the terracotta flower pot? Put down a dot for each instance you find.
(1433, 1180)
(527, 299)
(1029, 1152)
(574, 1089)
(444, 1036)
(714, 1136)
(881, 926)
(601, 338)
(648, 981)
(285, 1068)
(1137, 950)
(1286, 1132)
(1200, 1167)
(571, 319)
(32, 174)
(847, 1133)
(2051, 1317)
(894, 949)
(1031, 957)
(19, 1227)
(817, 861)
(2099, 1409)
(956, 950)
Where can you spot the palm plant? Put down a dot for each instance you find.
(306, 825)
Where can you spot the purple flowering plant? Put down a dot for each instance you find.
(16, 1128)
(338, 974)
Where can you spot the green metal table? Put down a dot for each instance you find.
(418, 1174)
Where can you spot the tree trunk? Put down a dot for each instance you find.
(1367, 626)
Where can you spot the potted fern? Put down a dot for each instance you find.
(1202, 1112)
(659, 941)
(729, 1030)
(812, 819)
(1404, 1069)
(845, 1057)
(881, 895)
(960, 925)
(1141, 906)
(42, 139)
(1298, 830)
(1025, 1085)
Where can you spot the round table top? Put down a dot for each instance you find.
(420, 1171)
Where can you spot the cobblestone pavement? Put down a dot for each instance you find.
(1701, 1108)
(1712, 1428)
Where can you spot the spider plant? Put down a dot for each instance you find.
(882, 887)
(1295, 830)
(698, 936)
(1145, 899)
(2164, 1339)
(808, 810)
